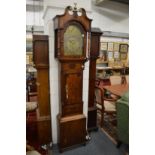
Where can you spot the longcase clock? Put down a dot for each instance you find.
(72, 41)
(94, 54)
(41, 61)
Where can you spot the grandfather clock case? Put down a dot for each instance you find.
(41, 61)
(94, 54)
(72, 41)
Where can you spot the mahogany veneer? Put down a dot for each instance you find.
(71, 53)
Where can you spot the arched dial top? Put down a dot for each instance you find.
(73, 41)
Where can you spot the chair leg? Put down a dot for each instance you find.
(102, 119)
(118, 144)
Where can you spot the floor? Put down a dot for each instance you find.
(100, 144)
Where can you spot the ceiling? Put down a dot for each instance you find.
(122, 1)
(38, 4)
(102, 2)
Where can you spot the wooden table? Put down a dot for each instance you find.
(118, 90)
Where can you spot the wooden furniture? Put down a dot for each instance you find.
(105, 102)
(31, 88)
(115, 79)
(103, 82)
(41, 61)
(127, 78)
(118, 90)
(105, 105)
(104, 72)
(94, 53)
(31, 121)
(72, 40)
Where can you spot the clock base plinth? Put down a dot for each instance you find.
(92, 119)
(72, 131)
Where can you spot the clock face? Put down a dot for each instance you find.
(73, 41)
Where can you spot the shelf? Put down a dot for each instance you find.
(100, 61)
(103, 68)
(29, 52)
(110, 68)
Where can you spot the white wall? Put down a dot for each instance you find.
(114, 39)
(64, 3)
(34, 12)
(111, 16)
(34, 18)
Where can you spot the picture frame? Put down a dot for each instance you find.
(103, 55)
(123, 55)
(116, 55)
(110, 55)
(27, 59)
(123, 48)
(103, 46)
(116, 46)
(110, 46)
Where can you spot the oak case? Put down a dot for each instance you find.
(70, 50)
(41, 61)
(94, 54)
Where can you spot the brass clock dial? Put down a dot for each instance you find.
(73, 41)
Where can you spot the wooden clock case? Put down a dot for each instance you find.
(71, 120)
(94, 54)
(41, 61)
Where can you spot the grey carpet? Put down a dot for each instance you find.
(99, 144)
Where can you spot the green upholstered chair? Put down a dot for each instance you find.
(122, 113)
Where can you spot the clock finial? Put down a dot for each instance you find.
(74, 9)
(75, 6)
